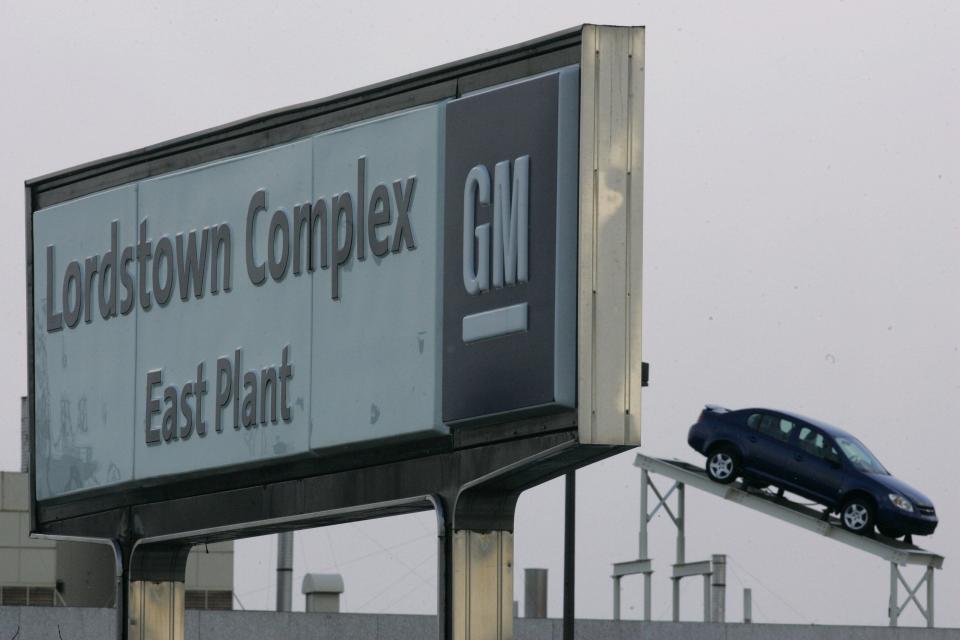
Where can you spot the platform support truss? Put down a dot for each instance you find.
(681, 568)
(896, 607)
(643, 565)
(897, 553)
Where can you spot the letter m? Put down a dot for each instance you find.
(510, 225)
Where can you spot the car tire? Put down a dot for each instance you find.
(857, 515)
(723, 465)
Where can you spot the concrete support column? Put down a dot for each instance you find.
(707, 612)
(482, 585)
(718, 583)
(647, 582)
(616, 597)
(534, 593)
(156, 592)
(747, 606)
(156, 610)
(285, 571)
(675, 586)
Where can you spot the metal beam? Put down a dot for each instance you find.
(569, 553)
(686, 569)
(631, 568)
(682, 570)
(891, 550)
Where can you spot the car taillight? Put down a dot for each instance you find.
(703, 414)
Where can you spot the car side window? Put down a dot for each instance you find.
(833, 455)
(777, 428)
(814, 443)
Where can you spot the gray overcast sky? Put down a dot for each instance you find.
(802, 246)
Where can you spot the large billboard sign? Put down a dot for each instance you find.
(373, 278)
(244, 310)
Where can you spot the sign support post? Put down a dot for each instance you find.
(155, 592)
(569, 553)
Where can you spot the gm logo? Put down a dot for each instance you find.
(509, 255)
(510, 219)
(510, 245)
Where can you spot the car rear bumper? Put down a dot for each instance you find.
(697, 437)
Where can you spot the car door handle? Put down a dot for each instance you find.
(798, 458)
(752, 438)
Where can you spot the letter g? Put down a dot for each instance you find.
(476, 190)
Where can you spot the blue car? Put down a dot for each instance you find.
(814, 460)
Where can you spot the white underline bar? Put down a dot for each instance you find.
(495, 322)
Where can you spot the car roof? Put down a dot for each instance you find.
(823, 426)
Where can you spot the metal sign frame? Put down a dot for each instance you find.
(472, 477)
(609, 239)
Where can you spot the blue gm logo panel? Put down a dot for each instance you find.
(510, 227)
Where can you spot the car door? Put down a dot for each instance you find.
(816, 465)
(767, 450)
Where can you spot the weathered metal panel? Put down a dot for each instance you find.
(83, 407)
(377, 348)
(609, 359)
(260, 321)
(156, 610)
(117, 396)
(483, 585)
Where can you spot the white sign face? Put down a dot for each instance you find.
(254, 308)
(361, 287)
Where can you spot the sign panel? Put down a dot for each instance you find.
(510, 249)
(241, 311)
(84, 384)
(288, 301)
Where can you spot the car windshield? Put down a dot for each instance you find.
(860, 456)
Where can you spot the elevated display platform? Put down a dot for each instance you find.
(816, 520)
(807, 518)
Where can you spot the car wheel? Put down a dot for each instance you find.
(857, 515)
(723, 465)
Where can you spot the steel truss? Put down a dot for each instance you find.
(712, 571)
(896, 608)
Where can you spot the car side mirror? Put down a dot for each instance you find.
(836, 464)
